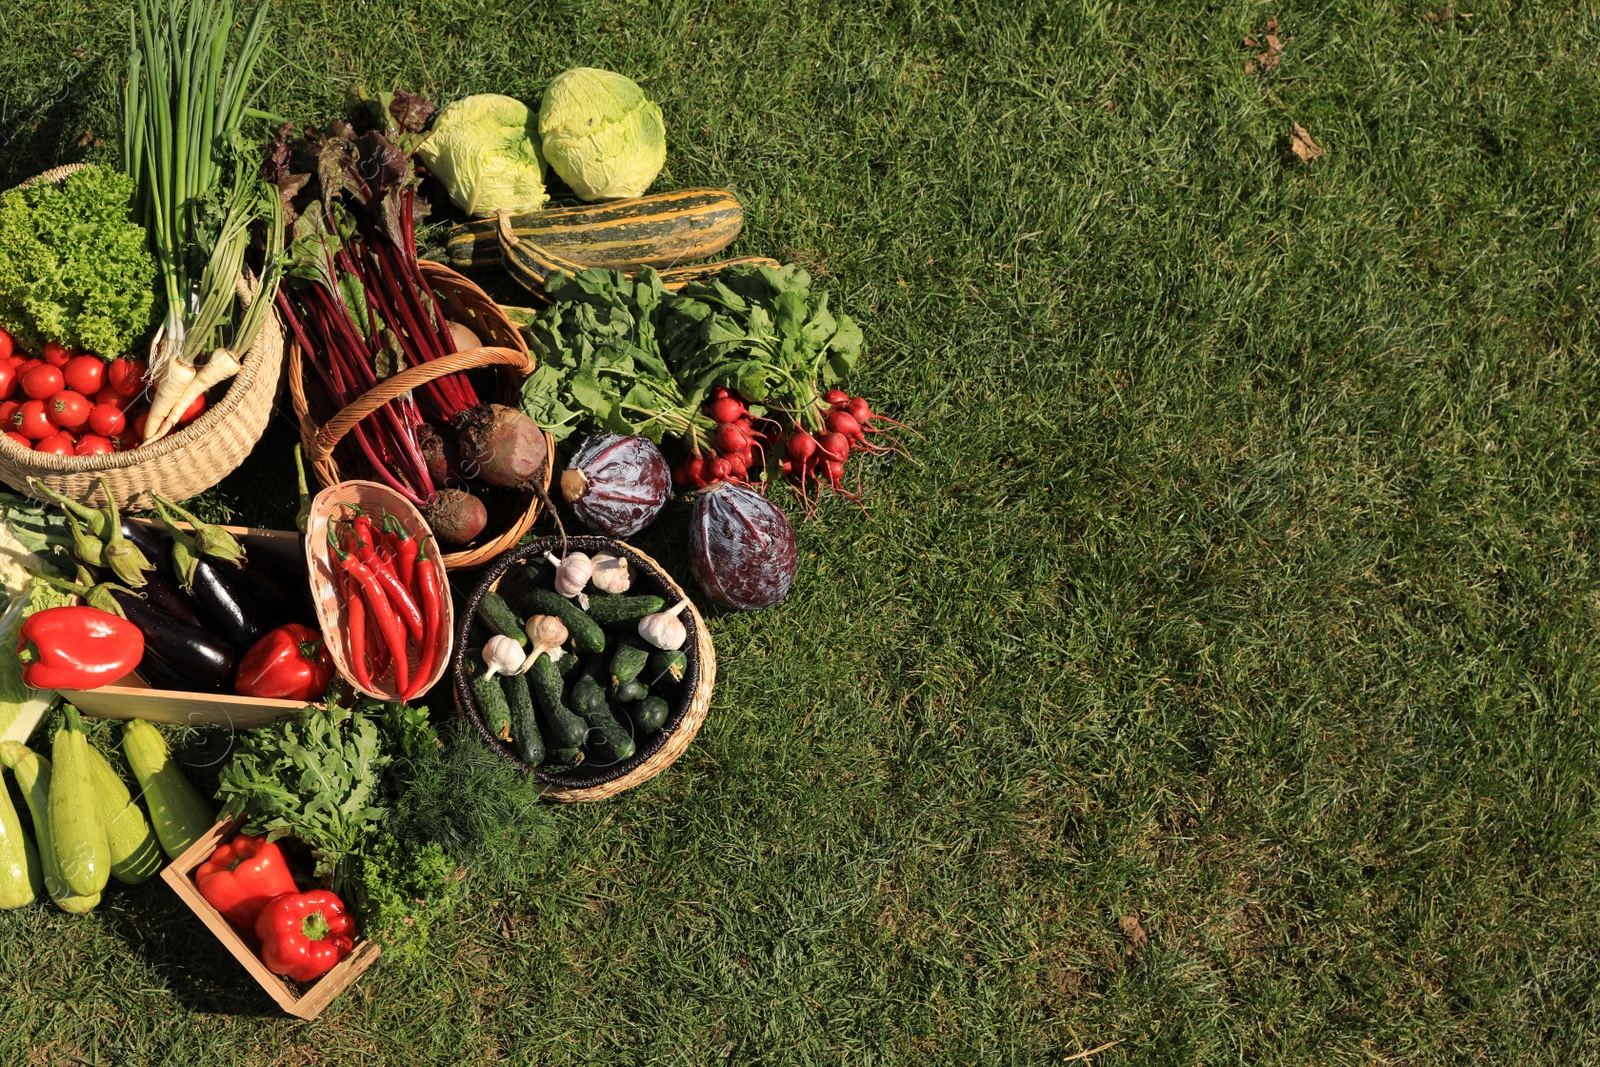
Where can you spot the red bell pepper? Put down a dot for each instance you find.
(77, 648)
(304, 934)
(243, 876)
(289, 663)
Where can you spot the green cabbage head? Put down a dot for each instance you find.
(601, 134)
(486, 151)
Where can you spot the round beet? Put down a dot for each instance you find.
(501, 446)
(456, 517)
(741, 548)
(617, 484)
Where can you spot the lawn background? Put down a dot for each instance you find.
(1244, 580)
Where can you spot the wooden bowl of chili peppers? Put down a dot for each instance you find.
(377, 577)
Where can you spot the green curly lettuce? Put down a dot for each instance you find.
(74, 268)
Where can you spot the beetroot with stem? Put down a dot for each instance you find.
(455, 516)
(741, 548)
(617, 484)
(501, 446)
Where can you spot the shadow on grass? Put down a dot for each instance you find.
(49, 131)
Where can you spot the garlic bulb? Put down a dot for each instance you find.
(611, 573)
(548, 634)
(664, 629)
(572, 573)
(502, 655)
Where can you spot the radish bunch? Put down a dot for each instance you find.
(818, 454)
(734, 451)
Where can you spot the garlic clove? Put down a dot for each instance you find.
(572, 573)
(664, 629)
(611, 573)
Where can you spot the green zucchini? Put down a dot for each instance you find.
(21, 878)
(629, 691)
(33, 775)
(585, 632)
(670, 663)
(178, 812)
(524, 727)
(492, 705)
(566, 729)
(499, 617)
(609, 609)
(589, 698)
(77, 830)
(626, 663)
(656, 231)
(650, 714)
(135, 853)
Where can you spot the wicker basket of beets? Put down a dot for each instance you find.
(605, 684)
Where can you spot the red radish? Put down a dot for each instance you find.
(834, 446)
(801, 446)
(42, 381)
(55, 354)
(718, 392)
(844, 423)
(59, 443)
(741, 548)
(617, 484)
(6, 345)
(836, 397)
(693, 469)
(31, 421)
(69, 410)
(85, 374)
(738, 468)
(786, 466)
(93, 444)
(834, 469)
(717, 469)
(107, 420)
(126, 376)
(456, 516)
(732, 438)
(19, 439)
(726, 409)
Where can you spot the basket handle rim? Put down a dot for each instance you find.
(392, 387)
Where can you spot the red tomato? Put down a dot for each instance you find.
(8, 409)
(193, 411)
(85, 374)
(6, 345)
(15, 362)
(126, 376)
(107, 420)
(138, 425)
(68, 410)
(19, 439)
(59, 443)
(92, 444)
(56, 354)
(8, 380)
(27, 365)
(42, 381)
(109, 395)
(31, 421)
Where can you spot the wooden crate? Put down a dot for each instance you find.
(130, 698)
(179, 874)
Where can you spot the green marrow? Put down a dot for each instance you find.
(33, 775)
(626, 663)
(650, 714)
(629, 691)
(135, 853)
(499, 617)
(589, 697)
(524, 727)
(584, 631)
(609, 609)
(178, 812)
(77, 830)
(492, 705)
(21, 878)
(567, 731)
(670, 663)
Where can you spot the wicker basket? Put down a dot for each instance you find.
(659, 750)
(185, 462)
(504, 349)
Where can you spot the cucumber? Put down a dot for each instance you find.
(492, 705)
(33, 775)
(670, 663)
(524, 727)
(564, 757)
(179, 813)
(626, 663)
(630, 691)
(135, 853)
(590, 699)
(21, 878)
(565, 665)
(77, 830)
(567, 731)
(585, 632)
(650, 714)
(608, 609)
(499, 617)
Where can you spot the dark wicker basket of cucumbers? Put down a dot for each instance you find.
(591, 670)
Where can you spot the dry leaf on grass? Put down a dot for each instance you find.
(1134, 932)
(1303, 145)
(1271, 49)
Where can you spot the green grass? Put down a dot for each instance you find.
(1244, 579)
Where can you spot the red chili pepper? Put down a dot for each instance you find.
(394, 632)
(399, 597)
(77, 648)
(406, 548)
(428, 594)
(366, 546)
(303, 935)
(289, 663)
(355, 628)
(242, 877)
